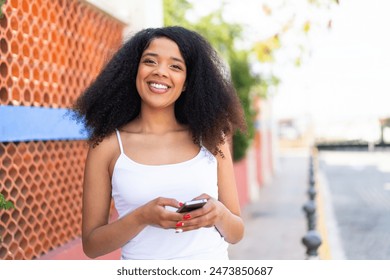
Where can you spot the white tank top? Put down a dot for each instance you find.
(135, 184)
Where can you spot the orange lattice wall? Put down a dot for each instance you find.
(43, 180)
(50, 51)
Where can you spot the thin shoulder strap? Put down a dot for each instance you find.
(119, 140)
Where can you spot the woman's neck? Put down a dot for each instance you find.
(157, 122)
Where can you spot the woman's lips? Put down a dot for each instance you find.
(158, 87)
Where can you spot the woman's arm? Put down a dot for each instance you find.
(223, 213)
(100, 237)
(229, 223)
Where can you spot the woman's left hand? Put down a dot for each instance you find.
(207, 216)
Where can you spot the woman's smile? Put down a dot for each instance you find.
(161, 74)
(158, 87)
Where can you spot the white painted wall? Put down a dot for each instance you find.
(137, 14)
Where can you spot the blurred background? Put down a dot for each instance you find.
(313, 171)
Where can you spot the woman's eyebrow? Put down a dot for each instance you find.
(156, 55)
(150, 54)
(177, 59)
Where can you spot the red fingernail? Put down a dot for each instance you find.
(186, 217)
(180, 204)
(180, 224)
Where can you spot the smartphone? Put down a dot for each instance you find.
(191, 205)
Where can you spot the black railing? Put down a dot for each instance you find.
(312, 239)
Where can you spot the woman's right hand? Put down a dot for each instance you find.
(154, 213)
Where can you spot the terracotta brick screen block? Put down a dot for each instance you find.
(43, 180)
(49, 52)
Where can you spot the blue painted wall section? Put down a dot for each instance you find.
(20, 123)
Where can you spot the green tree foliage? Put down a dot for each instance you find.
(243, 82)
(223, 37)
(2, 2)
(5, 204)
(295, 22)
(175, 11)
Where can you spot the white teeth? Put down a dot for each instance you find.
(158, 86)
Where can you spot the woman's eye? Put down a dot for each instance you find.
(177, 67)
(149, 61)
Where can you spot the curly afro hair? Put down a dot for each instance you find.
(209, 106)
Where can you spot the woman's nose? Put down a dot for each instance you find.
(161, 70)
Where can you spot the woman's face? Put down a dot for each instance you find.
(161, 74)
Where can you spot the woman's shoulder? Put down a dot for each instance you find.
(108, 142)
(106, 149)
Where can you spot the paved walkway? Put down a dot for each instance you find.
(275, 224)
(358, 186)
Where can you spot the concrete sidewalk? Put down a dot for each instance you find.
(276, 223)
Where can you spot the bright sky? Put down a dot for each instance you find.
(348, 73)
(347, 76)
(344, 86)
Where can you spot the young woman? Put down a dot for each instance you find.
(159, 115)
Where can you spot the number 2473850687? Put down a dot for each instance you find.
(243, 270)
